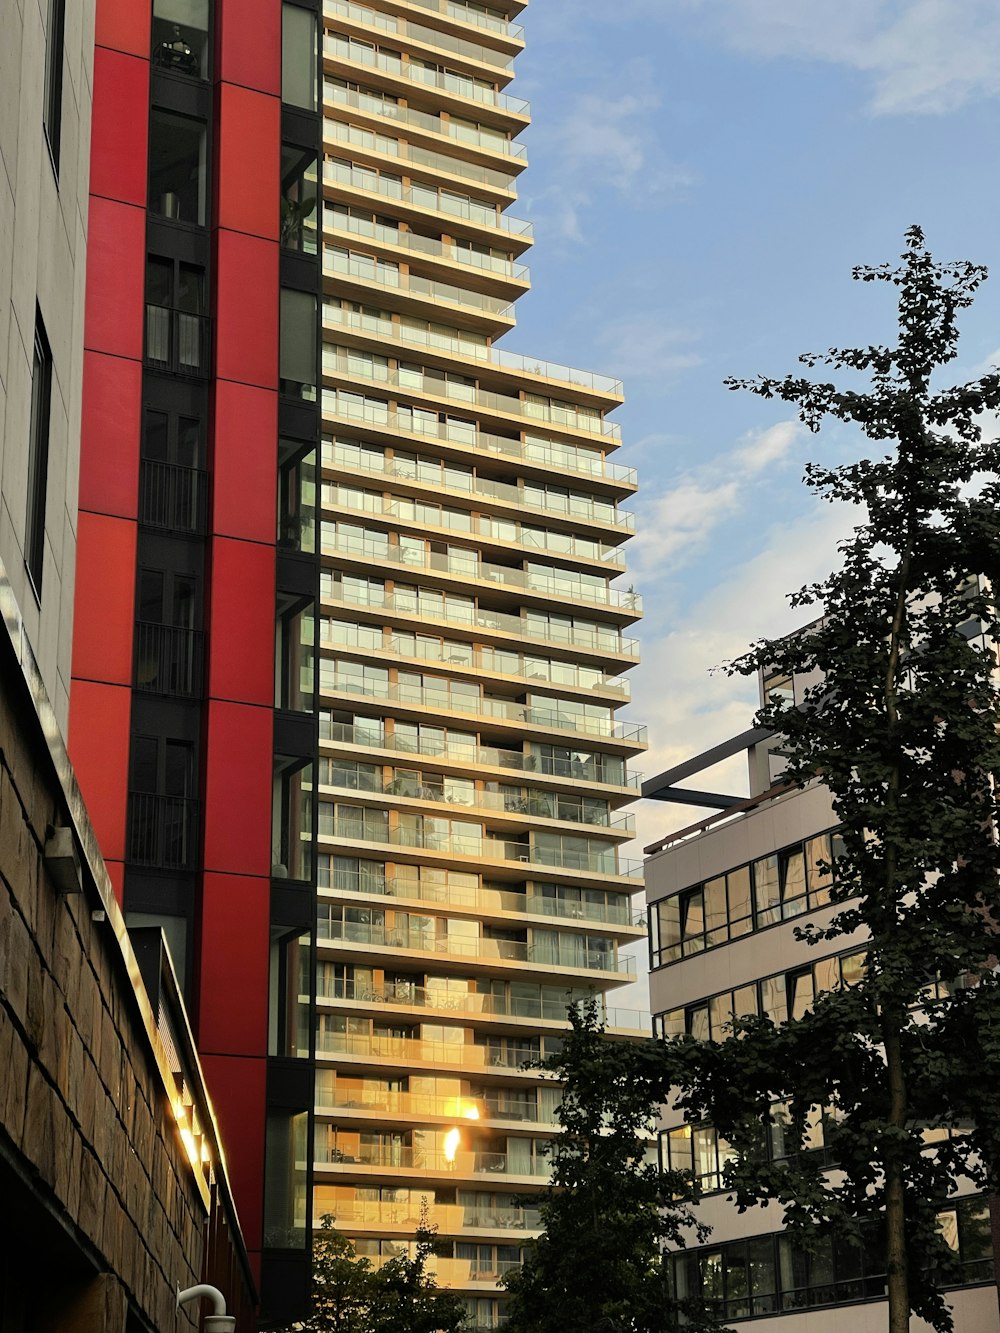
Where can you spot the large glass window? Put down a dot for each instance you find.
(299, 193)
(177, 167)
(297, 347)
(180, 36)
(299, 62)
(52, 94)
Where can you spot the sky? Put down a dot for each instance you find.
(703, 176)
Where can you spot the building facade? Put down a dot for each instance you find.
(725, 897)
(470, 651)
(112, 1174)
(347, 655)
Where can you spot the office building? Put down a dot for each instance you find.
(347, 654)
(725, 897)
(112, 1175)
(470, 653)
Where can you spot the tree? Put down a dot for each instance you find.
(903, 730)
(598, 1266)
(350, 1296)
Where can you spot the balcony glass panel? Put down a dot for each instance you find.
(180, 36)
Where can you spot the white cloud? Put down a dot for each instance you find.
(922, 56)
(644, 347)
(675, 526)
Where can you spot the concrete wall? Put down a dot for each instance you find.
(43, 230)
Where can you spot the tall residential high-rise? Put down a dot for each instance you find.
(470, 652)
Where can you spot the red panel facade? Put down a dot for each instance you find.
(109, 459)
(102, 625)
(238, 789)
(241, 654)
(235, 931)
(250, 45)
(239, 1091)
(116, 265)
(244, 500)
(98, 738)
(118, 143)
(122, 25)
(249, 134)
(246, 315)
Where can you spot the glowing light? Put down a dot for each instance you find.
(471, 1113)
(451, 1141)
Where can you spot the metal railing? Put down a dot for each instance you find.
(368, 141)
(422, 245)
(172, 497)
(162, 831)
(177, 340)
(372, 104)
(485, 55)
(462, 1163)
(168, 659)
(578, 770)
(462, 1055)
(370, 271)
(422, 196)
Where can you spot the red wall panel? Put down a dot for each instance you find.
(120, 127)
(249, 154)
(105, 599)
(250, 44)
(98, 747)
(116, 263)
(238, 1086)
(109, 434)
(235, 931)
(239, 746)
(241, 646)
(247, 309)
(244, 498)
(124, 25)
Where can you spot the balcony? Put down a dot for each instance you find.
(507, 951)
(436, 164)
(459, 1055)
(380, 1215)
(463, 87)
(168, 659)
(536, 805)
(562, 588)
(488, 1006)
(422, 197)
(456, 654)
(172, 497)
(425, 1159)
(558, 502)
(177, 341)
(466, 14)
(413, 285)
(603, 386)
(425, 246)
(589, 638)
(502, 710)
(566, 417)
(372, 830)
(162, 831)
(372, 104)
(574, 770)
(400, 27)
(420, 1106)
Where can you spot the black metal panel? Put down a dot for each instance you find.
(168, 893)
(174, 241)
(188, 97)
(296, 574)
(298, 421)
(290, 1084)
(285, 1286)
(299, 270)
(293, 905)
(294, 734)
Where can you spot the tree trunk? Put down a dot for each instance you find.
(897, 1274)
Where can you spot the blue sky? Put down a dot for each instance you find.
(704, 174)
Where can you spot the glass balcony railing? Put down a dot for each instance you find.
(375, 1214)
(489, 1006)
(444, 81)
(340, 132)
(589, 462)
(423, 245)
(419, 1105)
(457, 345)
(460, 1055)
(507, 576)
(384, 937)
(581, 636)
(339, 407)
(487, 849)
(422, 196)
(425, 1159)
(374, 104)
(532, 715)
(454, 9)
(486, 659)
(390, 277)
(536, 805)
(578, 770)
(401, 27)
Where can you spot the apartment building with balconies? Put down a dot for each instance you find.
(470, 649)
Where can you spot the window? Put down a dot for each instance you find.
(299, 190)
(297, 344)
(55, 13)
(168, 641)
(177, 167)
(180, 36)
(176, 322)
(172, 490)
(38, 455)
(298, 57)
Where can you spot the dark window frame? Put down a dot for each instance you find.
(55, 30)
(38, 456)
